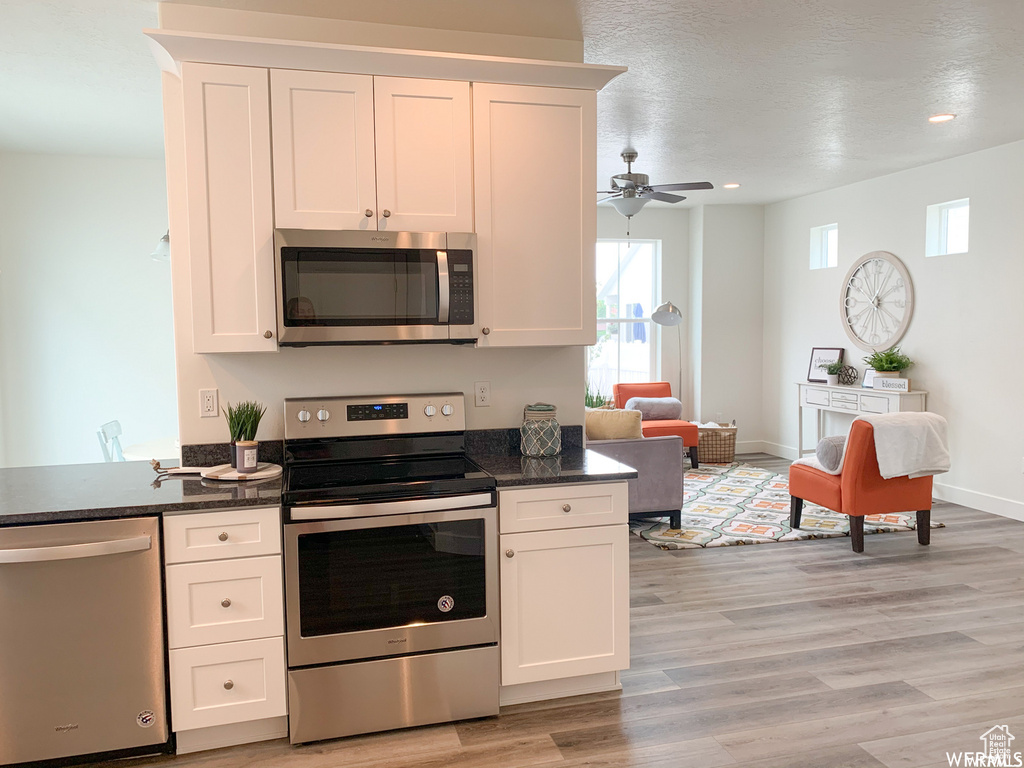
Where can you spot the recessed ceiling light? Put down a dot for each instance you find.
(730, 185)
(940, 118)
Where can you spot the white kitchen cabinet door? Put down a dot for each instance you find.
(564, 603)
(323, 150)
(230, 209)
(424, 155)
(535, 176)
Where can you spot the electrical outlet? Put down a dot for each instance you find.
(482, 393)
(209, 406)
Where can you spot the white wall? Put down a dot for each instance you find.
(967, 332)
(85, 314)
(730, 317)
(671, 227)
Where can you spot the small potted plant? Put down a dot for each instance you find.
(594, 399)
(890, 363)
(243, 422)
(832, 372)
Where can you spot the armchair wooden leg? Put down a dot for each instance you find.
(693, 457)
(924, 526)
(857, 532)
(796, 508)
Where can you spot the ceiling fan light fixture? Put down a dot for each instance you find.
(943, 118)
(629, 206)
(731, 185)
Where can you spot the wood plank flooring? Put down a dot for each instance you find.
(790, 655)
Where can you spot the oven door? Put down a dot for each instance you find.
(373, 587)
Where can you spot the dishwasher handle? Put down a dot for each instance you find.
(75, 551)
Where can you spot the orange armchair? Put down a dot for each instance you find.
(659, 427)
(860, 490)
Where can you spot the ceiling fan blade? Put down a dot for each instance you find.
(663, 196)
(681, 187)
(608, 192)
(611, 197)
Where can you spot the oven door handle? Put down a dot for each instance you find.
(406, 507)
(443, 287)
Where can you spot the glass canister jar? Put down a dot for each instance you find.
(540, 433)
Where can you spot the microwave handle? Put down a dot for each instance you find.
(443, 287)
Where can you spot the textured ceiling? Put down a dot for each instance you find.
(786, 97)
(789, 97)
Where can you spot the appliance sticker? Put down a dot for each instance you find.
(446, 603)
(146, 718)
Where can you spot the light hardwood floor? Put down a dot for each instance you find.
(791, 655)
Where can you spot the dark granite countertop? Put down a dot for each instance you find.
(119, 489)
(573, 465)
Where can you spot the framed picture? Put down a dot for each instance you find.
(822, 356)
(869, 378)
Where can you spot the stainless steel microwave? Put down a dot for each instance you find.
(362, 287)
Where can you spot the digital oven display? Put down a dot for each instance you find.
(377, 412)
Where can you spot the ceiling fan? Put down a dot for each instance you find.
(630, 191)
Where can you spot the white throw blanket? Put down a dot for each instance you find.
(913, 444)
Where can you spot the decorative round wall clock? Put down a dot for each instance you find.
(876, 301)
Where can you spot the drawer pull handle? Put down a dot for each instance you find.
(225, 603)
(566, 508)
(223, 536)
(510, 553)
(228, 685)
(369, 213)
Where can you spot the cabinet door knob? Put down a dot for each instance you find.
(225, 603)
(228, 685)
(387, 213)
(485, 331)
(566, 508)
(510, 553)
(369, 213)
(268, 334)
(223, 536)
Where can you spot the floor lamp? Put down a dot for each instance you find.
(669, 314)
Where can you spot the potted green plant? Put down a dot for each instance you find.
(594, 399)
(243, 422)
(888, 363)
(832, 372)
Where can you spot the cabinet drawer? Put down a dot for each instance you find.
(874, 404)
(844, 397)
(224, 600)
(229, 683)
(218, 535)
(815, 397)
(562, 506)
(845, 405)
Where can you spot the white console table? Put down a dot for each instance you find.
(850, 399)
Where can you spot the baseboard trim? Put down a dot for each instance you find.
(558, 689)
(775, 449)
(986, 502)
(230, 735)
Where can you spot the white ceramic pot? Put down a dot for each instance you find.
(832, 379)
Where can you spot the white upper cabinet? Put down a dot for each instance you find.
(323, 150)
(230, 211)
(347, 145)
(535, 173)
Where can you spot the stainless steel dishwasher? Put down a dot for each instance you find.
(81, 640)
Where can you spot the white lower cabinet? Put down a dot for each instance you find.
(565, 591)
(225, 625)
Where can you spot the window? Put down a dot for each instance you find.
(824, 246)
(948, 225)
(627, 291)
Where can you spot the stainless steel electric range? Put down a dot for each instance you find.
(391, 573)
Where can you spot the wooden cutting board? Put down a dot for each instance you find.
(263, 471)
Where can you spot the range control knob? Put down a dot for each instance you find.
(304, 415)
(429, 410)
(446, 409)
(323, 414)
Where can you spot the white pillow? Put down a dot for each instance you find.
(830, 452)
(656, 408)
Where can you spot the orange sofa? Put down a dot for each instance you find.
(860, 489)
(659, 427)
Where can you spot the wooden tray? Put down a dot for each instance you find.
(263, 471)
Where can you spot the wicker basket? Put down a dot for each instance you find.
(717, 445)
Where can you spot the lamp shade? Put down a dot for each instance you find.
(162, 252)
(667, 314)
(629, 206)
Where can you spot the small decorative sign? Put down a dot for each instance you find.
(892, 385)
(822, 356)
(869, 378)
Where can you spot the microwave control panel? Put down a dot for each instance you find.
(460, 280)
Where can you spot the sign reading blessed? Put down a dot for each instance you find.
(893, 385)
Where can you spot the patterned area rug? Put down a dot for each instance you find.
(726, 504)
